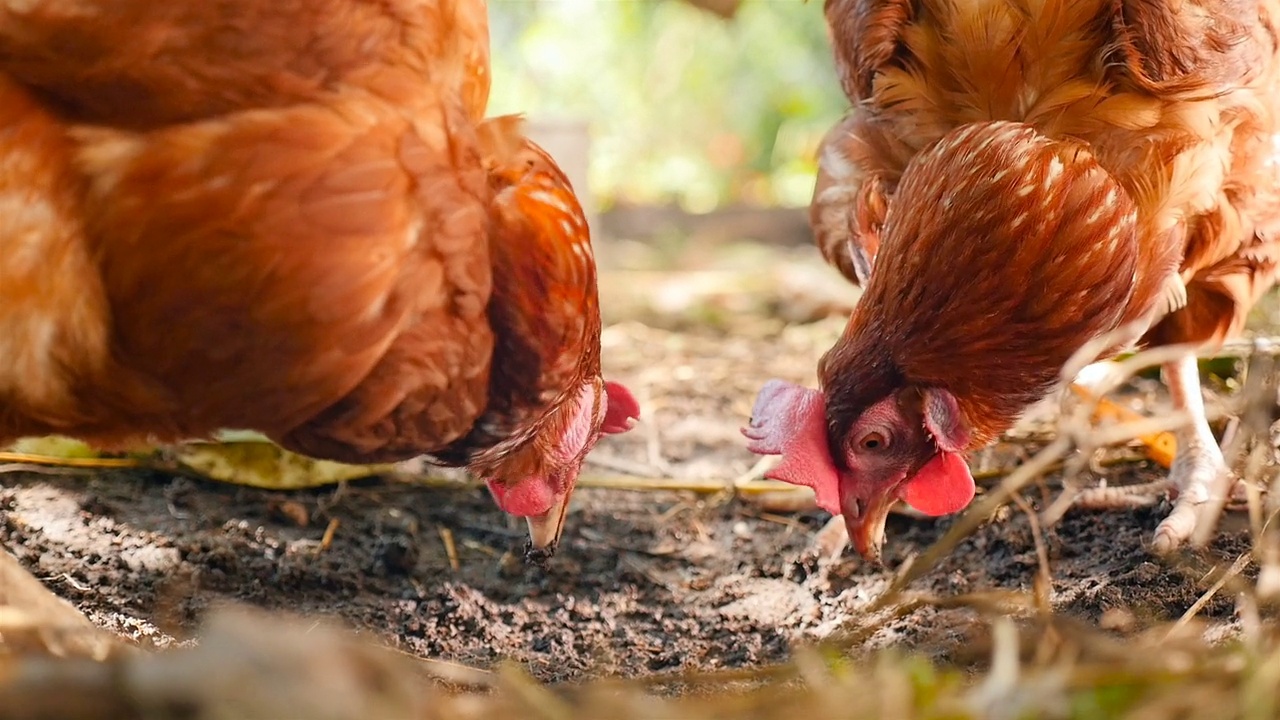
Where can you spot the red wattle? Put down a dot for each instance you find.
(943, 486)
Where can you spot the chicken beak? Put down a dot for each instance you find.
(865, 521)
(545, 529)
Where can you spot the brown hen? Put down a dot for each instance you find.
(1017, 178)
(291, 217)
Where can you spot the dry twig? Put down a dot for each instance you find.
(326, 540)
(450, 550)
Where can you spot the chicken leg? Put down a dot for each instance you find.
(1199, 470)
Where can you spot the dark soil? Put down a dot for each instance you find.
(644, 582)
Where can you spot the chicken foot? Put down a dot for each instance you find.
(1199, 471)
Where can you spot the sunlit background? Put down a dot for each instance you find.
(681, 105)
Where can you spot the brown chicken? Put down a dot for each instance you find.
(291, 217)
(1017, 178)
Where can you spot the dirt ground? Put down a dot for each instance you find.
(644, 582)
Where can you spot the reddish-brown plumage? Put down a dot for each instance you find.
(194, 61)
(1025, 283)
(1015, 179)
(548, 303)
(291, 217)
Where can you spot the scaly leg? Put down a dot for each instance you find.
(1199, 471)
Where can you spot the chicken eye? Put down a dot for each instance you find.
(873, 441)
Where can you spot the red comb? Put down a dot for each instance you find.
(790, 421)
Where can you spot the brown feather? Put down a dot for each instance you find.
(545, 313)
(139, 65)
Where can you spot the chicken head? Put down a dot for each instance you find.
(905, 447)
(543, 499)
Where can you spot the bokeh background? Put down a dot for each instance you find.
(690, 131)
(682, 106)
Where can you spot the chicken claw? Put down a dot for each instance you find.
(1199, 472)
(1122, 497)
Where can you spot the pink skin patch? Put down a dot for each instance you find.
(536, 495)
(790, 420)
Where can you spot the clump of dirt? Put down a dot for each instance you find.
(644, 582)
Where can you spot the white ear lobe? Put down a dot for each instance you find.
(942, 417)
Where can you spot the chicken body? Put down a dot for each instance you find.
(292, 218)
(1016, 179)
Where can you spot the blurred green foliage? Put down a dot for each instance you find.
(682, 105)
